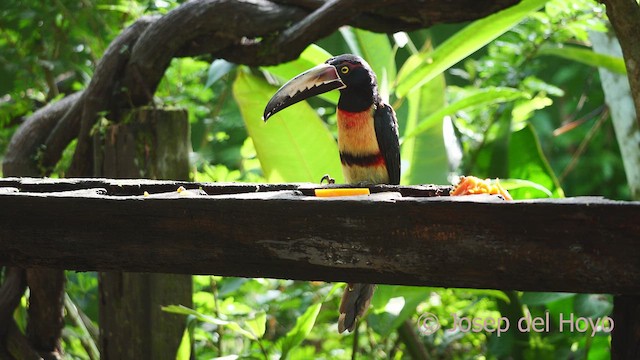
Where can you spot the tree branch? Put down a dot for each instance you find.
(99, 97)
(625, 18)
(46, 302)
(11, 291)
(292, 41)
(20, 158)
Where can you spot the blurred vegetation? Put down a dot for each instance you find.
(523, 103)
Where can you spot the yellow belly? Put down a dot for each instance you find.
(357, 136)
(359, 174)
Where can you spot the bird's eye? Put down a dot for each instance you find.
(344, 69)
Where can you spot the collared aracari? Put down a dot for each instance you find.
(367, 140)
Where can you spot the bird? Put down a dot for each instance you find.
(368, 141)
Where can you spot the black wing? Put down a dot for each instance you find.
(386, 127)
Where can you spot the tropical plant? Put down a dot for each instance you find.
(513, 96)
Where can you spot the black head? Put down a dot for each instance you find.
(361, 85)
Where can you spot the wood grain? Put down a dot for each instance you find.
(576, 245)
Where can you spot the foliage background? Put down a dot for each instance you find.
(527, 107)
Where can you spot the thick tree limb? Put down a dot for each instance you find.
(17, 346)
(20, 158)
(226, 23)
(46, 303)
(99, 97)
(390, 16)
(292, 41)
(11, 292)
(625, 18)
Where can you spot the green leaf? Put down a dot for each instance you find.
(235, 327)
(543, 298)
(183, 310)
(303, 327)
(350, 39)
(527, 161)
(310, 57)
(523, 110)
(218, 69)
(232, 307)
(295, 145)
(462, 44)
(184, 349)
(230, 285)
(600, 348)
(257, 325)
(561, 305)
(384, 322)
(481, 98)
(593, 305)
(377, 50)
(495, 154)
(498, 294)
(424, 156)
(512, 184)
(587, 57)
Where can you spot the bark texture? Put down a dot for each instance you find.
(579, 245)
(152, 144)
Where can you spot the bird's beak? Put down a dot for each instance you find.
(314, 81)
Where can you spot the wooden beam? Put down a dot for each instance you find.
(577, 245)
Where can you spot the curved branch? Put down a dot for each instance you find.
(100, 97)
(388, 16)
(225, 23)
(20, 159)
(291, 42)
(14, 285)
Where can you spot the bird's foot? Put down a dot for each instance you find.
(328, 179)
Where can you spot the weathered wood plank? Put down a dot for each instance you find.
(580, 244)
(139, 186)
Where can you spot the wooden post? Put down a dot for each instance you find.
(625, 339)
(152, 143)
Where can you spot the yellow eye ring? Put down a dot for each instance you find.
(344, 69)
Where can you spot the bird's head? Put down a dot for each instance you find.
(348, 73)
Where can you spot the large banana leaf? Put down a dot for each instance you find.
(424, 156)
(527, 161)
(294, 145)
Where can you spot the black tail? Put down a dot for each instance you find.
(355, 301)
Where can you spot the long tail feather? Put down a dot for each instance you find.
(355, 301)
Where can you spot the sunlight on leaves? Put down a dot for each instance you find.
(425, 67)
(587, 57)
(303, 327)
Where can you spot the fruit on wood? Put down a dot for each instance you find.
(471, 185)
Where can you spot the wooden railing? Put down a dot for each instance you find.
(409, 235)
